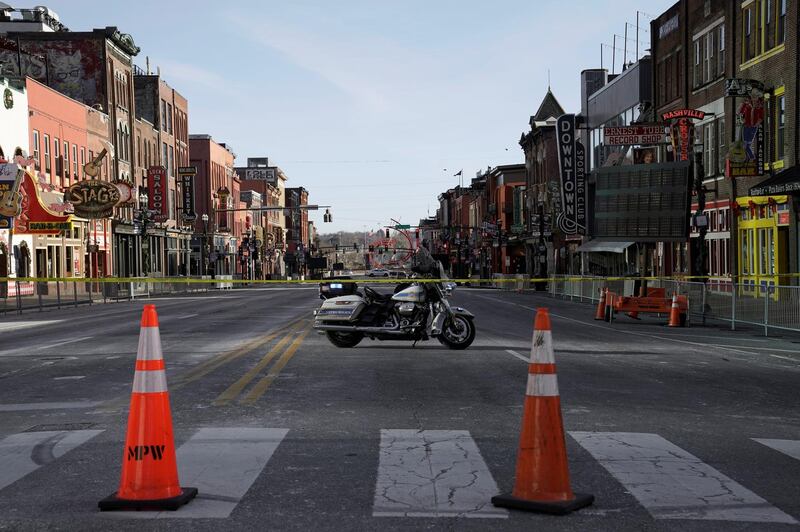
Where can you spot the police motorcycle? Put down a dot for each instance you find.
(417, 310)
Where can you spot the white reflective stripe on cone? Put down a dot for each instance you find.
(542, 348)
(149, 344)
(542, 385)
(150, 381)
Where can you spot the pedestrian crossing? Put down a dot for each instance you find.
(429, 473)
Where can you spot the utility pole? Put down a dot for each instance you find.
(700, 220)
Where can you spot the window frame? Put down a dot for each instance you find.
(36, 149)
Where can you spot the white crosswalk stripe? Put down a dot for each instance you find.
(426, 473)
(787, 447)
(222, 463)
(672, 483)
(433, 473)
(24, 453)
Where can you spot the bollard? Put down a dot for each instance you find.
(735, 292)
(766, 312)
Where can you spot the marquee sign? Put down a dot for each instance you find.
(157, 192)
(92, 198)
(572, 166)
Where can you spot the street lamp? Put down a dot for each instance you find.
(143, 216)
(203, 256)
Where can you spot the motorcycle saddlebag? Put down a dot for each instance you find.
(344, 308)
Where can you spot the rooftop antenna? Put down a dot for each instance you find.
(625, 47)
(147, 63)
(548, 80)
(637, 34)
(614, 54)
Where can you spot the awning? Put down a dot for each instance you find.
(784, 182)
(599, 246)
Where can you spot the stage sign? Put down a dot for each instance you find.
(642, 203)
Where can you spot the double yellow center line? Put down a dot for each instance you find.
(300, 330)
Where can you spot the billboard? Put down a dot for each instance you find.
(643, 203)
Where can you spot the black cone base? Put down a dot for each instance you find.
(112, 502)
(546, 507)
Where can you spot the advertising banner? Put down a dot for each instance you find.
(572, 166)
(157, 191)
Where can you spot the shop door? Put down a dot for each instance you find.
(41, 270)
(3, 271)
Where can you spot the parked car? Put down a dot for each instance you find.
(341, 286)
(399, 274)
(378, 272)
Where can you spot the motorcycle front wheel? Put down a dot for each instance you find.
(458, 333)
(344, 339)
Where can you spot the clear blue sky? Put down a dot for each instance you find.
(366, 103)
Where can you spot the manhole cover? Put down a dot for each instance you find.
(55, 427)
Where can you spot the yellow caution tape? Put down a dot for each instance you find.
(180, 280)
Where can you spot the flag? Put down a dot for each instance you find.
(460, 172)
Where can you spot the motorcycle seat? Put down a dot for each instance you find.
(376, 296)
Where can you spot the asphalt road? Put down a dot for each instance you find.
(669, 429)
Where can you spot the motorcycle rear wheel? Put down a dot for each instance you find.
(458, 333)
(344, 339)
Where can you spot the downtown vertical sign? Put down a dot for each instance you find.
(572, 167)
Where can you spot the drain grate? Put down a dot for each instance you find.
(56, 427)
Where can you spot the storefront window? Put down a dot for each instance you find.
(745, 259)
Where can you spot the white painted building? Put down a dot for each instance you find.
(13, 135)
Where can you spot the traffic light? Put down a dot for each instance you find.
(416, 234)
(387, 232)
(371, 249)
(327, 217)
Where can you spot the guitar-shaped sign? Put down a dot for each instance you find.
(11, 200)
(736, 152)
(92, 168)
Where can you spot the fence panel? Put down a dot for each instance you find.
(718, 299)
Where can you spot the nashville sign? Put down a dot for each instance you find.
(93, 198)
(572, 165)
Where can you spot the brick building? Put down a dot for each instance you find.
(542, 182)
(697, 45)
(162, 139)
(95, 69)
(297, 241)
(215, 185)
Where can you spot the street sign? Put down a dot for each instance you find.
(402, 226)
(636, 134)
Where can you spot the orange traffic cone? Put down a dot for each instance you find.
(149, 472)
(674, 313)
(600, 314)
(542, 477)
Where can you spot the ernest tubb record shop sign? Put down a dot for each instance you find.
(572, 166)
